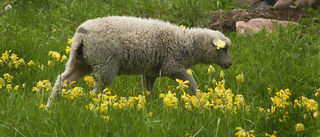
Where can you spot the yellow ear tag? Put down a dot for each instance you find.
(221, 44)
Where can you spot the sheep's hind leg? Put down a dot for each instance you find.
(72, 73)
(104, 75)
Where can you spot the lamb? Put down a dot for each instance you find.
(117, 45)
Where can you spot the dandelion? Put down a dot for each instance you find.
(299, 127)
(30, 63)
(221, 44)
(211, 69)
(240, 78)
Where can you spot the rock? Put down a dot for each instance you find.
(257, 24)
(283, 4)
(307, 3)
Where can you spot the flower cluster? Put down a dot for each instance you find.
(310, 105)
(6, 82)
(242, 133)
(169, 100)
(219, 98)
(44, 85)
(89, 81)
(57, 56)
(12, 60)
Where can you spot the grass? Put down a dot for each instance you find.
(268, 62)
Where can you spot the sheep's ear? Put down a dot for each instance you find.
(219, 43)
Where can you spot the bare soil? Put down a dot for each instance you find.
(226, 21)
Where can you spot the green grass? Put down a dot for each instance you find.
(287, 59)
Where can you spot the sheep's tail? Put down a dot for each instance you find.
(76, 51)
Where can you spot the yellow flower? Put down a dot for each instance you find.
(70, 41)
(30, 63)
(50, 63)
(5, 56)
(2, 83)
(63, 58)
(181, 26)
(89, 81)
(170, 100)
(190, 72)
(161, 95)
(8, 77)
(182, 84)
(211, 69)
(221, 44)
(68, 49)
(42, 106)
(150, 114)
(240, 78)
(222, 74)
(16, 87)
(9, 87)
(299, 127)
(21, 62)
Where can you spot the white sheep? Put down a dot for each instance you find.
(131, 46)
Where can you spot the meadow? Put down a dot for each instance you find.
(272, 88)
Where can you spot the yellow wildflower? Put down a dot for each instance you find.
(68, 49)
(8, 77)
(21, 62)
(9, 87)
(41, 106)
(16, 87)
(222, 74)
(30, 63)
(299, 127)
(161, 95)
(240, 78)
(182, 26)
(63, 58)
(182, 84)
(211, 69)
(190, 72)
(89, 81)
(70, 41)
(221, 44)
(170, 100)
(50, 63)
(5, 56)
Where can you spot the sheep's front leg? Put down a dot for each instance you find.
(179, 72)
(148, 82)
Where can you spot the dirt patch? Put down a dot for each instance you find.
(226, 21)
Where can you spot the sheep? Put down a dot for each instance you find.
(119, 45)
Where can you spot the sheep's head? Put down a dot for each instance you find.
(215, 49)
(221, 48)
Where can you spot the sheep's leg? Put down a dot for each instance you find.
(175, 71)
(72, 73)
(148, 82)
(104, 75)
